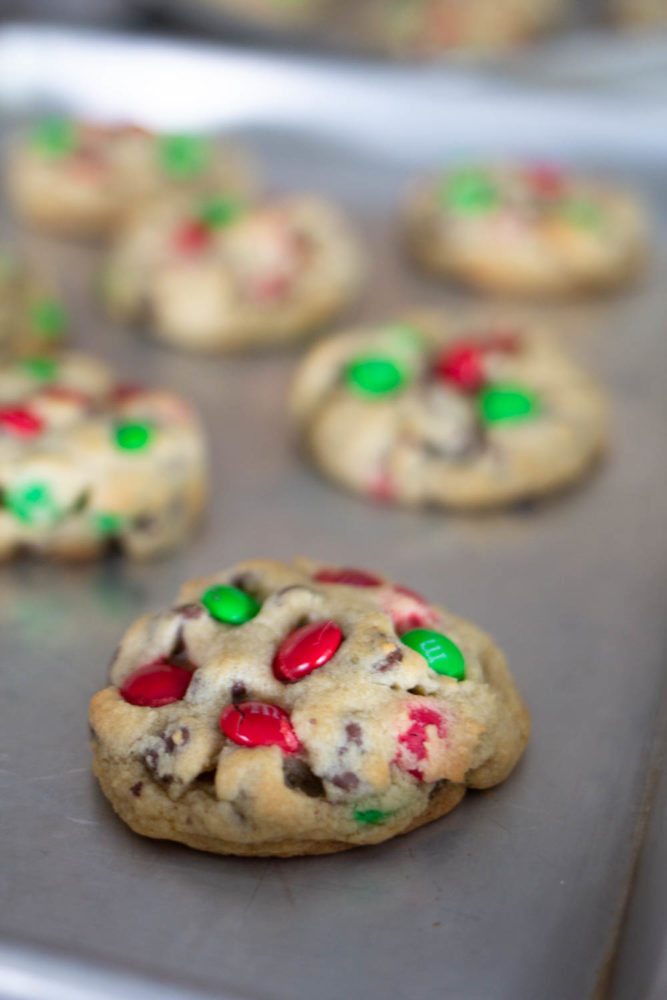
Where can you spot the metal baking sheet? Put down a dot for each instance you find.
(519, 893)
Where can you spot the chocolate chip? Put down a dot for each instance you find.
(239, 692)
(353, 733)
(348, 781)
(136, 789)
(395, 656)
(144, 522)
(299, 777)
(189, 610)
(176, 740)
(113, 547)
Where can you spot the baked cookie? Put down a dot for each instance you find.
(32, 317)
(87, 464)
(208, 274)
(300, 709)
(525, 230)
(81, 179)
(277, 14)
(471, 417)
(431, 27)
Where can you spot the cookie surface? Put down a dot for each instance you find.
(430, 27)
(32, 316)
(87, 464)
(207, 274)
(525, 230)
(81, 179)
(300, 709)
(425, 413)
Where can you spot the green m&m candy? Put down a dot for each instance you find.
(44, 369)
(374, 376)
(48, 317)
(470, 192)
(229, 604)
(32, 503)
(506, 401)
(54, 137)
(370, 817)
(441, 654)
(107, 524)
(184, 156)
(218, 212)
(131, 436)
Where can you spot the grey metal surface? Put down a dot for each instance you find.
(515, 895)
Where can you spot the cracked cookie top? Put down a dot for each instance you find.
(425, 412)
(279, 705)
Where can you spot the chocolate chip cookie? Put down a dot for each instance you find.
(210, 274)
(526, 229)
(88, 464)
(468, 416)
(282, 709)
(79, 178)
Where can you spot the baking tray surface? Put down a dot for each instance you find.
(517, 894)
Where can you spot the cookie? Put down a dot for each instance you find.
(641, 13)
(525, 230)
(282, 709)
(80, 179)
(276, 14)
(88, 465)
(209, 274)
(422, 412)
(431, 27)
(32, 316)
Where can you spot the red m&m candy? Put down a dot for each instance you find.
(347, 576)
(257, 724)
(463, 364)
(546, 179)
(306, 649)
(158, 683)
(20, 422)
(192, 237)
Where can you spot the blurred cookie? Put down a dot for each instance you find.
(32, 317)
(525, 230)
(641, 13)
(428, 413)
(87, 464)
(210, 274)
(431, 27)
(81, 179)
(282, 709)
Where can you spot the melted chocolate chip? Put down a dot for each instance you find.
(113, 548)
(298, 776)
(174, 742)
(239, 692)
(395, 656)
(348, 781)
(189, 610)
(136, 789)
(353, 733)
